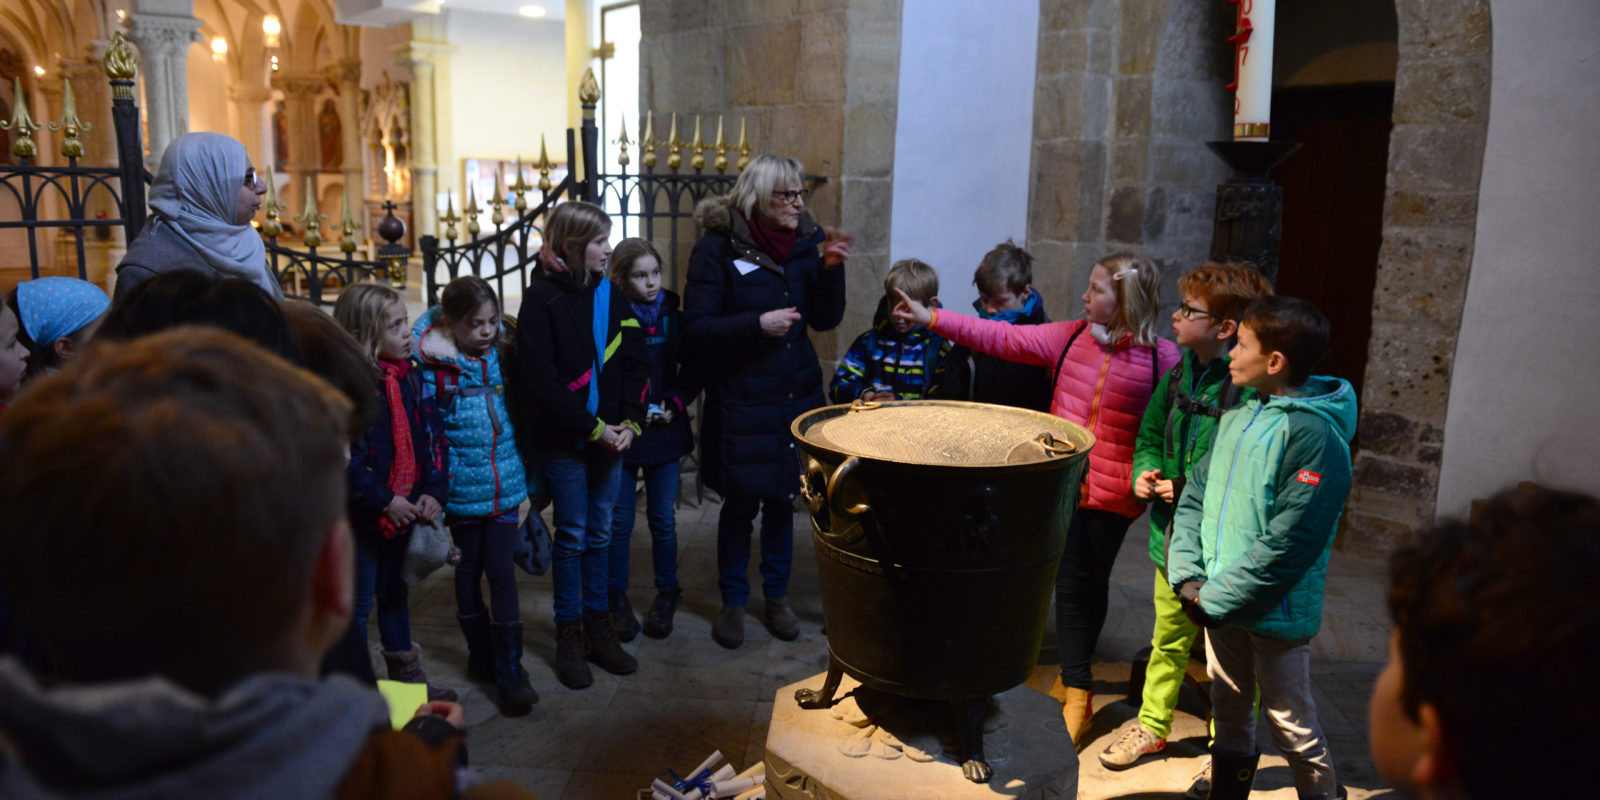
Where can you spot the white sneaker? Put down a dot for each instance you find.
(1134, 744)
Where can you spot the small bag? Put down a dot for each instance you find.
(429, 549)
(532, 550)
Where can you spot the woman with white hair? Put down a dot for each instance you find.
(762, 273)
(203, 198)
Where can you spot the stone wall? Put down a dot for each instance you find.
(1441, 114)
(807, 76)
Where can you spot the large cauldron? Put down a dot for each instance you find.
(938, 526)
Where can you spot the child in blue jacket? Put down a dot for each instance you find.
(896, 359)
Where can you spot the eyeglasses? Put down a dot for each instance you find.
(1189, 312)
(250, 178)
(790, 196)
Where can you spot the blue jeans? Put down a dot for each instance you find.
(734, 525)
(378, 562)
(661, 495)
(583, 487)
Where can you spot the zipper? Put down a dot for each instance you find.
(1094, 400)
(1285, 608)
(1228, 487)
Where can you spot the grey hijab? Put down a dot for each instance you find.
(197, 189)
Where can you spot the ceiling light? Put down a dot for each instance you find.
(531, 11)
(271, 26)
(38, 70)
(219, 45)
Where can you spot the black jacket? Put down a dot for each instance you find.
(372, 456)
(671, 386)
(991, 379)
(755, 384)
(555, 360)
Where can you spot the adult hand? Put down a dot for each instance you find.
(451, 712)
(836, 248)
(1144, 487)
(429, 508)
(400, 512)
(776, 323)
(910, 310)
(1164, 490)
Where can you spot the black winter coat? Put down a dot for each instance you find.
(991, 379)
(671, 386)
(372, 456)
(755, 384)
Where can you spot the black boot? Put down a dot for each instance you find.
(623, 620)
(603, 647)
(572, 650)
(516, 694)
(658, 620)
(480, 652)
(1232, 776)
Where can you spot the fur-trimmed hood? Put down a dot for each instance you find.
(717, 214)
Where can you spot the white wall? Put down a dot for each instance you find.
(1526, 388)
(964, 82)
(508, 85)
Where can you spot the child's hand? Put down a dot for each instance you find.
(1164, 490)
(429, 508)
(876, 397)
(1145, 487)
(624, 438)
(452, 713)
(837, 247)
(400, 512)
(665, 416)
(910, 310)
(776, 323)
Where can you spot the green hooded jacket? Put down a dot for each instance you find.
(1175, 434)
(1257, 518)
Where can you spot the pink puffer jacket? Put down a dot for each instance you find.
(1101, 387)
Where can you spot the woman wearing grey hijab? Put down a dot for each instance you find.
(202, 201)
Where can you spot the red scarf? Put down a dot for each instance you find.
(777, 244)
(403, 472)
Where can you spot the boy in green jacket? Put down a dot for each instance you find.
(1177, 430)
(1251, 538)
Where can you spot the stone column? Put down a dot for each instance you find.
(424, 155)
(300, 92)
(248, 102)
(163, 42)
(347, 74)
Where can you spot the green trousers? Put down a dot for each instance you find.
(1169, 659)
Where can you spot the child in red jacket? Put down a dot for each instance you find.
(1102, 381)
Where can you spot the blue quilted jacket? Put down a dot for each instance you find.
(486, 473)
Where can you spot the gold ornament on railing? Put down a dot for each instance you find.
(472, 211)
(520, 188)
(622, 141)
(588, 88)
(310, 218)
(272, 228)
(722, 149)
(22, 124)
(347, 225)
(498, 203)
(744, 148)
(674, 145)
(648, 142)
(70, 146)
(699, 145)
(450, 220)
(544, 166)
(121, 67)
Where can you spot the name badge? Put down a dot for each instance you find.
(745, 267)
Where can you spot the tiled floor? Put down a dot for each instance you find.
(691, 696)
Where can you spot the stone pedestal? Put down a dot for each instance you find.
(883, 747)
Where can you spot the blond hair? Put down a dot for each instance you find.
(757, 182)
(1137, 284)
(918, 280)
(360, 310)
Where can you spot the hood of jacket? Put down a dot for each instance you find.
(717, 213)
(1328, 397)
(272, 735)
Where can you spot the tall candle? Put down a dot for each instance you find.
(1252, 39)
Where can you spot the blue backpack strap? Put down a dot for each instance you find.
(602, 320)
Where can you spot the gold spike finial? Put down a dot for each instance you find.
(648, 142)
(310, 218)
(744, 148)
(272, 228)
(674, 145)
(520, 187)
(472, 211)
(722, 149)
(588, 88)
(71, 147)
(450, 220)
(622, 141)
(699, 145)
(22, 123)
(347, 224)
(498, 203)
(544, 166)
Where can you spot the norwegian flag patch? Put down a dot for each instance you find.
(1307, 476)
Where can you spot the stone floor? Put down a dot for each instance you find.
(691, 696)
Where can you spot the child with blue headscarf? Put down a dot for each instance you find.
(57, 317)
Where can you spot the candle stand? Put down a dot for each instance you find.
(1248, 222)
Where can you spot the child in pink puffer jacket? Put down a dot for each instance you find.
(1105, 367)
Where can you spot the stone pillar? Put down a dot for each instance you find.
(163, 42)
(300, 92)
(248, 102)
(418, 56)
(347, 74)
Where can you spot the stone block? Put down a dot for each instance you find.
(1413, 209)
(1408, 369)
(1190, 109)
(1366, 535)
(1387, 433)
(1442, 91)
(1432, 434)
(1185, 164)
(863, 288)
(763, 63)
(1102, 46)
(1406, 480)
(1063, 15)
(1443, 28)
(1130, 162)
(1125, 216)
(1053, 196)
(1063, 52)
(1133, 107)
(1430, 454)
(1137, 36)
(1058, 106)
(1422, 272)
(824, 48)
(812, 133)
(672, 15)
(869, 141)
(1437, 158)
(744, 12)
(1092, 190)
(1154, 225)
(868, 212)
(683, 72)
(872, 66)
(1194, 42)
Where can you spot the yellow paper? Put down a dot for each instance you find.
(403, 700)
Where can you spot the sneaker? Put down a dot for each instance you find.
(1200, 786)
(1134, 744)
